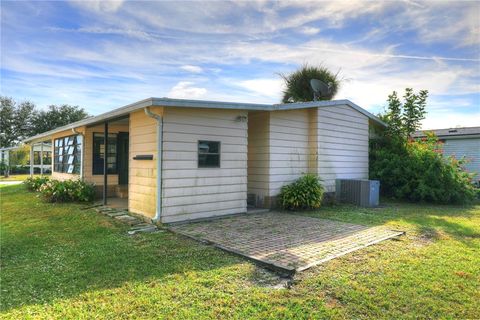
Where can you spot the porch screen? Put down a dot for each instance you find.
(99, 153)
(67, 154)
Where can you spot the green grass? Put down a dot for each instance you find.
(59, 261)
(17, 177)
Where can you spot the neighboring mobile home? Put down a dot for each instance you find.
(213, 155)
(460, 143)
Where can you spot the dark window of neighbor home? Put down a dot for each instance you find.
(99, 153)
(67, 154)
(208, 154)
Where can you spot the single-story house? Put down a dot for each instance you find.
(459, 142)
(179, 160)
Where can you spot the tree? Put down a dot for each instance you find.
(415, 170)
(403, 119)
(22, 120)
(298, 87)
(413, 110)
(57, 116)
(15, 121)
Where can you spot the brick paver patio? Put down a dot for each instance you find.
(285, 242)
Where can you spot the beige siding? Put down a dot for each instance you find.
(289, 147)
(258, 155)
(342, 144)
(142, 183)
(190, 192)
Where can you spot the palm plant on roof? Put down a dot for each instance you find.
(298, 87)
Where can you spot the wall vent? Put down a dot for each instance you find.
(363, 193)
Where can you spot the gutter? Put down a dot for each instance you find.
(82, 156)
(159, 118)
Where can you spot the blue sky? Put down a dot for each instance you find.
(102, 55)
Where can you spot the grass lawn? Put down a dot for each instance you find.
(17, 177)
(58, 261)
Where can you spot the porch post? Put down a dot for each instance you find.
(105, 162)
(31, 160)
(41, 159)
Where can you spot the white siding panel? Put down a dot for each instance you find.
(190, 192)
(195, 182)
(199, 215)
(342, 145)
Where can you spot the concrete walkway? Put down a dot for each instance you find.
(285, 242)
(10, 183)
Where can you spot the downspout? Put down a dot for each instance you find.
(82, 154)
(31, 159)
(159, 118)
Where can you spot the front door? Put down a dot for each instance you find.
(122, 158)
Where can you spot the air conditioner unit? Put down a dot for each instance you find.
(363, 193)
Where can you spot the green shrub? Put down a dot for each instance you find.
(418, 171)
(67, 191)
(34, 183)
(304, 193)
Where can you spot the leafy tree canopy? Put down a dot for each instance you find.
(15, 121)
(298, 87)
(404, 118)
(20, 120)
(57, 116)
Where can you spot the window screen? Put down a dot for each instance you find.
(99, 153)
(67, 154)
(208, 154)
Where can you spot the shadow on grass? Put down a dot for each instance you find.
(60, 251)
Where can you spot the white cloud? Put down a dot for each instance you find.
(263, 87)
(192, 69)
(249, 42)
(187, 90)
(309, 30)
(99, 5)
(450, 120)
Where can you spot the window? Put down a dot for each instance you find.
(99, 153)
(208, 154)
(47, 157)
(67, 154)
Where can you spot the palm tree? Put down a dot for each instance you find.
(298, 87)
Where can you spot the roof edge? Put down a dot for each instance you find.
(169, 102)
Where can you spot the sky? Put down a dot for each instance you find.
(102, 55)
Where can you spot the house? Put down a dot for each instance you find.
(178, 160)
(41, 154)
(459, 142)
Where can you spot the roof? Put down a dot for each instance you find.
(20, 147)
(450, 132)
(167, 102)
(10, 148)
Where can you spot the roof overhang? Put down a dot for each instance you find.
(167, 102)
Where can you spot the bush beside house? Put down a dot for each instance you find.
(61, 191)
(416, 170)
(304, 193)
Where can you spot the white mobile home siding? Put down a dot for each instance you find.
(190, 192)
(342, 144)
(470, 148)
